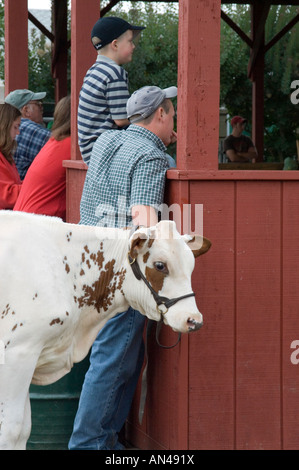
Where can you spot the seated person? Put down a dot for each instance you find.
(10, 182)
(44, 187)
(238, 147)
(33, 135)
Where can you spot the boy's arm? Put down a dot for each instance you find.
(122, 122)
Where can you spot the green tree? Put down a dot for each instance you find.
(281, 68)
(39, 65)
(156, 56)
(235, 90)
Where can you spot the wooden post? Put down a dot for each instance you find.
(60, 48)
(199, 84)
(16, 45)
(84, 16)
(198, 133)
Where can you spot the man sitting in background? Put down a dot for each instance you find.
(33, 135)
(238, 147)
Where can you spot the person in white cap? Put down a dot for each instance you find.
(124, 186)
(33, 135)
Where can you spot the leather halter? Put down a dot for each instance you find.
(160, 300)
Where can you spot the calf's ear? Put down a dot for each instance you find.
(198, 245)
(137, 241)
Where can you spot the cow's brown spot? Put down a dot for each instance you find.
(146, 256)
(150, 242)
(155, 278)
(56, 321)
(101, 293)
(6, 311)
(66, 265)
(82, 272)
(98, 258)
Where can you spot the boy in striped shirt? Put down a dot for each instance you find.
(104, 93)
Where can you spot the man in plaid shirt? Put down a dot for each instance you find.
(124, 186)
(33, 135)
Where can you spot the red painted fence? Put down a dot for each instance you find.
(232, 385)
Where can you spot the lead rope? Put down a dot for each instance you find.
(168, 302)
(143, 392)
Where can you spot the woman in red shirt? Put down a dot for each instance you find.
(10, 182)
(44, 186)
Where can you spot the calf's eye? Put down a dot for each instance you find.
(161, 267)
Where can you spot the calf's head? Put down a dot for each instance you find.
(162, 262)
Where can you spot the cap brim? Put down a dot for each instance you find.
(39, 96)
(137, 28)
(171, 92)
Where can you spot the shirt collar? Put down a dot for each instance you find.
(106, 60)
(139, 130)
(103, 58)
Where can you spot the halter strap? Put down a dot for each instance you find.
(160, 300)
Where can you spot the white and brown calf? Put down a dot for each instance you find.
(60, 283)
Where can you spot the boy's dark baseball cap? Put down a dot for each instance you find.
(109, 28)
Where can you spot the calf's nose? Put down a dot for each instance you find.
(194, 325)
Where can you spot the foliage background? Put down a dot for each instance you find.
(281, 68)
(155, 62)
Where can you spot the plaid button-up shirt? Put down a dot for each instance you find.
(126, 168)
(31, 139)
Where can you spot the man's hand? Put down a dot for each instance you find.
(173, 138)
(144, 215)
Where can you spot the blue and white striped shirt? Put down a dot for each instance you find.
(103, 98)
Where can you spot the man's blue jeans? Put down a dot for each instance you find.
(110, 382)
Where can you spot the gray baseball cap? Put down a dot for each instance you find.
(19, 98)
(146, 100)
